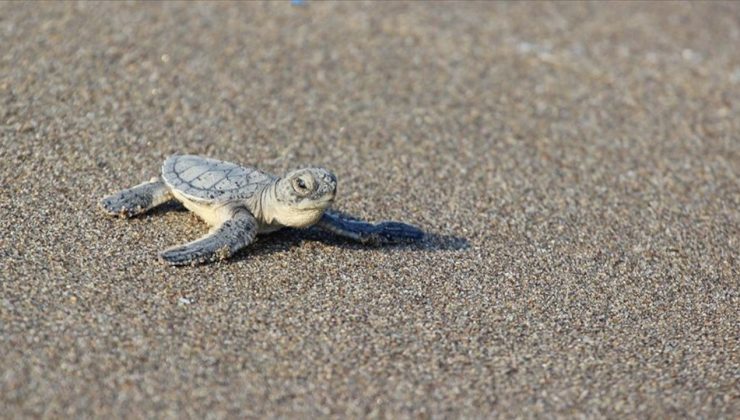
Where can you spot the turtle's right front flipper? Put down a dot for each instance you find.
(136, 200)
(387, 232)
(223, 242)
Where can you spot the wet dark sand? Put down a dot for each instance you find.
(576, 164)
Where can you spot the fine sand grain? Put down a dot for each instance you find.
(577, 166)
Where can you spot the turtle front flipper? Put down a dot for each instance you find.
(221, 243)
(136, 200)
(369, 233)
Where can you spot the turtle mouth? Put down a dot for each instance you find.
(319, 204)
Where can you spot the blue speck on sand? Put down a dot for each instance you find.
(297, 2)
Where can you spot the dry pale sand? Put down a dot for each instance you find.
(577, 166)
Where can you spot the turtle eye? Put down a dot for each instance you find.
(300, 186)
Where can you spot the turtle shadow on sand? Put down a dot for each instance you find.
(168, 207)
(430, 242)
(286, 239)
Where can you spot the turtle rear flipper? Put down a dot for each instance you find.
(221, 243)
(136, 200)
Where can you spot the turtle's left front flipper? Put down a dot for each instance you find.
(369, 233)
(221, 243)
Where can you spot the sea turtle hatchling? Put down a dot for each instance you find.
(240, 202)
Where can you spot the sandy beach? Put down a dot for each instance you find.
(576, 167)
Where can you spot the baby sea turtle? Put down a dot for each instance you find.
(240, 202)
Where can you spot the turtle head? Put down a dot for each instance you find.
(303, 195)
